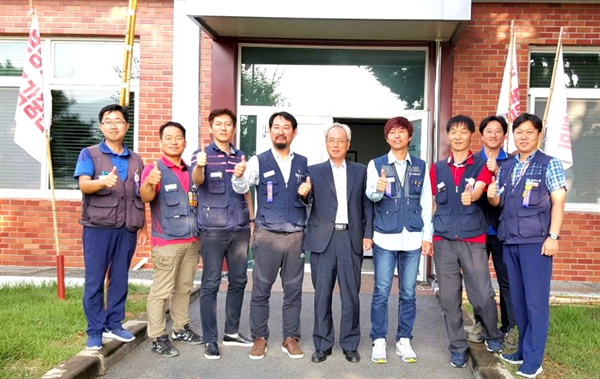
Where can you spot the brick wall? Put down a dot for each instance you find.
(26, 226)
(480, 56)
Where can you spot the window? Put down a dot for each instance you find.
(80, 77)
(582, 73)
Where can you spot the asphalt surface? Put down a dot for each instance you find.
(430, 343)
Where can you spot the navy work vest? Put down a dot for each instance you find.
(402, 207)
(519, 223)
(452, 220)
(219, 207)
(177, 219)
(286, 212)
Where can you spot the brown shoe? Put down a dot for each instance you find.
(259, 348)
(292, 348)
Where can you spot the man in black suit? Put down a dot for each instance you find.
(339, 228)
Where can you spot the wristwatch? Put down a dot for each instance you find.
(554, 236)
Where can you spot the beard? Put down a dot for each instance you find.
(281, 145)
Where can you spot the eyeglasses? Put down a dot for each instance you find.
(340, 141)
(116, 122)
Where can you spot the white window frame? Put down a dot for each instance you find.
(575, 93)
(52, 83)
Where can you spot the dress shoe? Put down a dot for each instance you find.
(320, 355)
(352, 356)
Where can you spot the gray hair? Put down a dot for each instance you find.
(343, 126)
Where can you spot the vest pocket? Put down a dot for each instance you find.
(386, 215)
(136, 213)
(442, 220)
(216, 185)
(212, 216)
(102, 210)
(470, 218)
(530, 223)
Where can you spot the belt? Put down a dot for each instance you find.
(340, 227)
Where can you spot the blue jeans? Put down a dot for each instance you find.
(385, 261)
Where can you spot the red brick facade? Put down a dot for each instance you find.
(26, 226)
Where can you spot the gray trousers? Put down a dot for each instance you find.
(277, 253)
(455, 261)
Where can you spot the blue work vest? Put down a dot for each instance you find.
(285, 212)
(402, 207)
(452, 220)
(519, 223)
(176, 217)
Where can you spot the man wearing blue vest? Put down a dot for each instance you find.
(224, 224)
(280, 221)
(493, 131)
(167, 186)
(459, 252)
(398, 184)
(531, 189)
(113, 219)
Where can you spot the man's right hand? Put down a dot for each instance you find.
(154, 175)
(382, 181)
(111, 179)
(201, 157)
(305, 188)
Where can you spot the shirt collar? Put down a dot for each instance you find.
(501, 154)
(392, 158)
(107, 150)
(170, 164)
(464, 163)
(333, 166)
(216, 148)
(278, 157)
(529, 158)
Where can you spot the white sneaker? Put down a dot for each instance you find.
(404, 350)
(379, 355)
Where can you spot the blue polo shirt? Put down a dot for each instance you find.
(85, 164)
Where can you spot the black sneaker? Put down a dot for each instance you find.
(211, 351)
(187, 335)
(237, 339)
(162, 346)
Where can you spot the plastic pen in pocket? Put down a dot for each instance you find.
(269, 191)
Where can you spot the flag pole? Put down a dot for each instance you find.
(552, 83)
(128, 53)
(511, 49)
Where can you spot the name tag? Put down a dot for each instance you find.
(391, 179)
(216, 174)
(268, 174)
(171, 187)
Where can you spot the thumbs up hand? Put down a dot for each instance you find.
(382, 181)
(154, 175)
(111, 179)
(305, 188)
(492, 165)
(201, 157)
(240, 168)
(466, 198)
(492, 190)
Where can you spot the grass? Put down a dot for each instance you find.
(573, 347)
(40, 331)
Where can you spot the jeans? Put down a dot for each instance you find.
(216, 245)
(385, 261)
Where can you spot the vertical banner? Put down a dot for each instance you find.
(509, 103)
(29, 115)
(558, 133)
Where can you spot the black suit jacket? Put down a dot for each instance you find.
(324, 203)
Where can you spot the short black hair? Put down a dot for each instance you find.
(171, 123)
(286, 116)
(489, 119)
(219, 112)
(523, 117)
(461, 119)
(113, 108)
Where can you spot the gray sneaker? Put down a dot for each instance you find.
(510, 340)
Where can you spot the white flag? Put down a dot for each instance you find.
(29, 116)
(509, 103)
(558, 133)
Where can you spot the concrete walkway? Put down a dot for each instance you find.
(135, 359)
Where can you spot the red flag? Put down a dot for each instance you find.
(29, 116)
(509, 103)
(558, 134)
